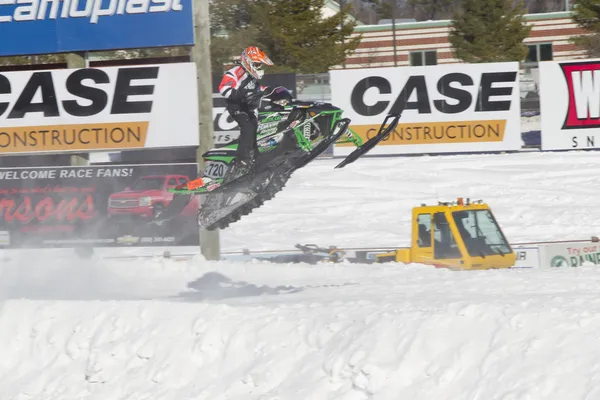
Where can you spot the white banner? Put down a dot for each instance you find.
(573, 254)
(527, 257)
(445, 108)
(570, 104)
(96, 109)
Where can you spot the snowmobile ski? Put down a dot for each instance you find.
(383, 133)
(176, 206)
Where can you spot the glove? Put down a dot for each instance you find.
(256, 95)
(253, 99)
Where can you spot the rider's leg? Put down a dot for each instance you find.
(247, 143)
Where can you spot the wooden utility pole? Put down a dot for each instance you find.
(209, 240)
(77, 60)
(394, 32)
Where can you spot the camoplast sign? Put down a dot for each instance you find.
(54, 26)
(98, 109)
(570, 104)
(445, 108)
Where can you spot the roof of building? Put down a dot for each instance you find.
(448, 22)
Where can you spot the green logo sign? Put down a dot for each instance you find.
(559, 261)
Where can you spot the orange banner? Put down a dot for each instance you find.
(437, 132)
(79, 137)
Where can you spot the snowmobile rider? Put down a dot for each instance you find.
(242, 90)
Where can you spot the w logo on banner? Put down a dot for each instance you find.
(583, 81)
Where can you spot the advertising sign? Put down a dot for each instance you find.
(99, 109)
(226, 129)
(97, 206)
(527, 257)
(444, 108)
(570, 104)
(59, 26)
(573, 254)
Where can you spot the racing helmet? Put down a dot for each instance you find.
(252, 59)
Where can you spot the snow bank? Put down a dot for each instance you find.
(196, 330)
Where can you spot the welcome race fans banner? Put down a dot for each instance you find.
(95, 206)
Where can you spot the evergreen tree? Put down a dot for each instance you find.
(587, 16)
(231, 31)
(489, 31)
(294, 34)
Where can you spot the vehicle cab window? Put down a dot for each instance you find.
(445, 246)
(481, 233)
(424, 226)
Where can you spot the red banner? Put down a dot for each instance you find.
(99, 206)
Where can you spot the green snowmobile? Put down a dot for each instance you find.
(290, 135)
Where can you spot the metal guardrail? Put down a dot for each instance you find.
(351, 250)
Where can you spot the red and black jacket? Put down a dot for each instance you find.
(240, 89)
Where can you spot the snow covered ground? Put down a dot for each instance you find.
(535, 196)
(171, 330)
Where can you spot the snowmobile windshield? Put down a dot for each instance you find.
(280, 95)
(481, 234)
(149, 183)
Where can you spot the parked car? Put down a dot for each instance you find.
(146, 198)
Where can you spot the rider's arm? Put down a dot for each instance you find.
(228, 85)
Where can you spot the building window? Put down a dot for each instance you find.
(539, 52)
(419, 58)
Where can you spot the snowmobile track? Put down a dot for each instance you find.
(270, 191)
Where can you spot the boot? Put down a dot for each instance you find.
(239, 167)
